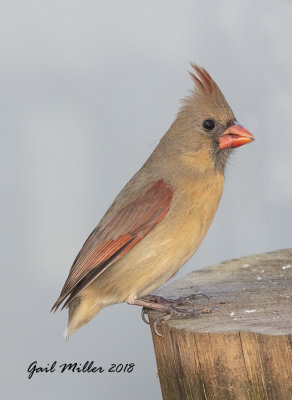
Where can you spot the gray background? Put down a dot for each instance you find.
(87, 90)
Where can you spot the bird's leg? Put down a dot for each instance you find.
(168, 306)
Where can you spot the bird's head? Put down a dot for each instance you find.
(206, 128)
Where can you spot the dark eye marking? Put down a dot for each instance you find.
(208, 124)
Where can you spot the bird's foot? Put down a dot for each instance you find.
(174, 312)
(169, 306)
(179, 301)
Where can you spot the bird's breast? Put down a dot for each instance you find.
(194, 205)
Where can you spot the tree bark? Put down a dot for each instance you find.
(243, 349)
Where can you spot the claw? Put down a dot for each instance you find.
(143, 313)
(155, 326)
(194, 296)
(158, 321)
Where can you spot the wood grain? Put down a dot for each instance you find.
(243, 350)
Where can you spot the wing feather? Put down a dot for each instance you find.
(109, 242)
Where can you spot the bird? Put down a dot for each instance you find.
(159, 219)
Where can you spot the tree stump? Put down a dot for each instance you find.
(243, 349)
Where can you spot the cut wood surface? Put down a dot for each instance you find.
(242, 350)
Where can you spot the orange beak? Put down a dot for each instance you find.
(235, 136)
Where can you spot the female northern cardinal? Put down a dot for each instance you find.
(159, 219)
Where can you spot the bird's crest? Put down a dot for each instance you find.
(203, 81)
(205, 90)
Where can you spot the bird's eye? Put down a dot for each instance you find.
(209, 124)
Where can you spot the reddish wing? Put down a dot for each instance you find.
(108, 243)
